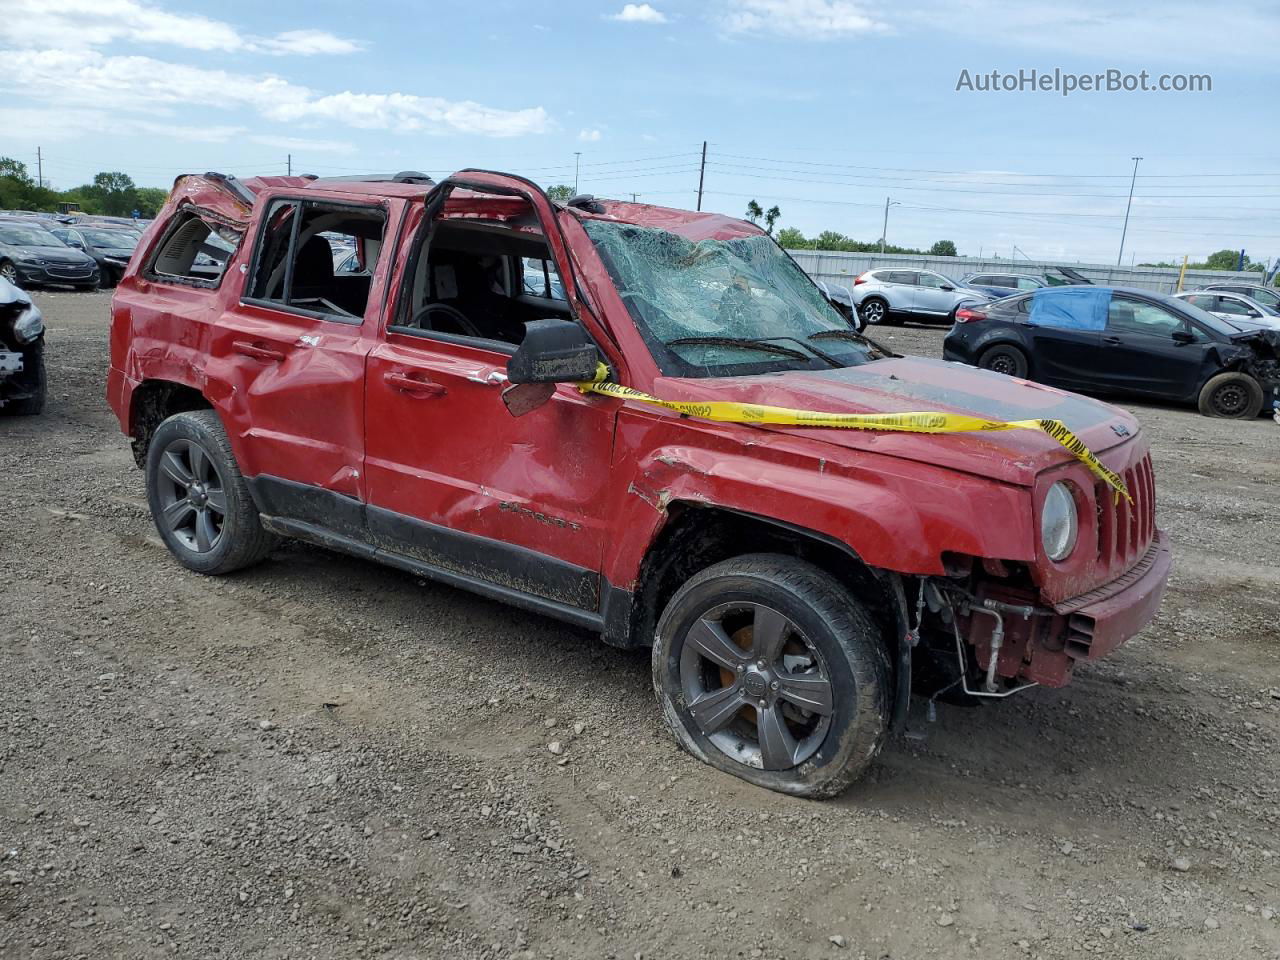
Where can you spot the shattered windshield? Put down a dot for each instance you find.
(716, 308)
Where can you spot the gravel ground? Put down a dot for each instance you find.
(321, 757)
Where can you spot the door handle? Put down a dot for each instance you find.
(413, 386)
(265, 354)
(1114, 341)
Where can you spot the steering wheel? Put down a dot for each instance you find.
(453, 314)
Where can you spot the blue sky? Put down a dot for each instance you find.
(824, 107)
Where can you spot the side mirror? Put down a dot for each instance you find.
(1183, 336)
(553, 351)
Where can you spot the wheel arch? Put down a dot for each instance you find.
(697, 535)
(154, 401)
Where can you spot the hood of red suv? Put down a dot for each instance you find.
(916, 384)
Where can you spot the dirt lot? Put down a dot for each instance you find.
(324, 758)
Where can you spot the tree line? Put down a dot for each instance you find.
(111, 193)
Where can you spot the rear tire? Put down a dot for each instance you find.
(1006, 359)
(781, 633)
(199, 499)
(1231, 396)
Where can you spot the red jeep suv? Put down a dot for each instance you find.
(401, 370)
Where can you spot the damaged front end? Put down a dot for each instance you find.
(989, 628)
(22, 380)
(1260, 358)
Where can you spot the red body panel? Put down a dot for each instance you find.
(417, 427)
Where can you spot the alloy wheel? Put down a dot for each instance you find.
(9, 272)
(193, 499)
(755, 686)
(873, 311)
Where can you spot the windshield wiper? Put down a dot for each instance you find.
(850, 335)
(762, 345)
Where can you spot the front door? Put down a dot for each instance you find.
(457, 482)
(1140, 354)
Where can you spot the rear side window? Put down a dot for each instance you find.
(193, 251)
(303, 260)
(899, 276)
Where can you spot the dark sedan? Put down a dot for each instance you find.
(110, 247)
(30, 254)
(1114, 340)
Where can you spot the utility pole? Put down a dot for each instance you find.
(577, 163)
(39, 168)
(702, 172)
(633, 197)
(1125, 231)
(289, 164)
(885, 229)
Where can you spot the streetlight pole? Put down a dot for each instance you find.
(577, 162)
(1125, 231)
(885, 229)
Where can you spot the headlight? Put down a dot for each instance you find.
(32, 261)
(1059, 522)
(28, 326)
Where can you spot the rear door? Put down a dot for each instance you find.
(1140, 355)
(293, 349)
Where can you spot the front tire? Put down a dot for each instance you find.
(1005, 359)
(873, 310)
(1231, 396)
(199, 499)
(9, 272)
(768, 669)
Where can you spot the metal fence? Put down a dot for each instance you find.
(838, 267)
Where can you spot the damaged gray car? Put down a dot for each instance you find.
(23, 384)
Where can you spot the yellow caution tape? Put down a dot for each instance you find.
(723, 411)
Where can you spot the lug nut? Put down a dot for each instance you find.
(774, 685)
(742, 668)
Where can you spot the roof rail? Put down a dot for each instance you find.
(404, 176)
(234, 185)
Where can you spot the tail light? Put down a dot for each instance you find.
(970, 314)
(862, 278)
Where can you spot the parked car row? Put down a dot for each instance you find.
(87, 254)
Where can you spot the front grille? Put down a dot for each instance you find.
(1125, 530)
(70, 273)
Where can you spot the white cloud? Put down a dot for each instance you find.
(42, 124)
(120, 84)
(639, 13)
(84, 24)
(812, 19)
(589, 136)
(307, 43)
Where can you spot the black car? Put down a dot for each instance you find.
(30, 254)
(111, 247)
(1098, 339)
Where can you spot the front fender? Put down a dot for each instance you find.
(894, 514)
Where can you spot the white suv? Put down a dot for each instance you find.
(891, 296)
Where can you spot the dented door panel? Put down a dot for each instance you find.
(443, 450)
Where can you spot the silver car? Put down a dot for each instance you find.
(1268, 297)
(1237, 309)
(891, 296)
